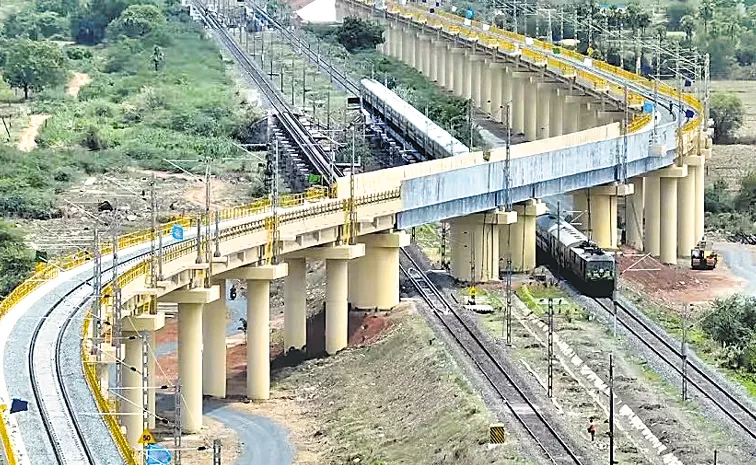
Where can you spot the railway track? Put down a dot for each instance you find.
(556, 449)
(301, 137)
(50, 392)
(698, 375)
(48, 380)
(349, 84)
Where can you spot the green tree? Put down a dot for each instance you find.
(137, 21)
(706, 14)
(676, 11)
(727, 112)
(33, 65)
(688, 25)
(88, 24)
(16, 261)
(716, 197)
(359, 34)
(745, 200)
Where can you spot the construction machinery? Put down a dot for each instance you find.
(703, 256)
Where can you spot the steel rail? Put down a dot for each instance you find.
(542, 432)
(705, 378)
(349, 84)
(291, 124)
(41, 389)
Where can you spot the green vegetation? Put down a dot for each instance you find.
(15, 259)
(159, 91)
(731, 323)
(734, 213)
(33, 65)
(727, 112)
(358, 34)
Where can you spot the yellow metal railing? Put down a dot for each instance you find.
(90, 373)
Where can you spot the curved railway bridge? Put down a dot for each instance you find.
(587, 136)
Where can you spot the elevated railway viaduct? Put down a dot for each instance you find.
(571, 109)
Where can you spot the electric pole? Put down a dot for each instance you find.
(508, 208)
(611, 410)
(550, 386)
(177, 422)
(684, 352)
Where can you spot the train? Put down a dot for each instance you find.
(579, 260)
(412, 125)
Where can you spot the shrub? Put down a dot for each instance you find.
(727, 112)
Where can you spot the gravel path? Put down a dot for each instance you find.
(264, 442)
(741, 259)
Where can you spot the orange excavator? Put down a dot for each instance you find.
(703, 256)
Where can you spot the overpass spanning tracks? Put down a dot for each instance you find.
(259, 217)
(518, 401)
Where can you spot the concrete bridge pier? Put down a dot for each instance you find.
(661, 211)
(478, 78)
(135, 327)
(634, 219)
(459, 73)
(214, 344)
(599, 212)
(452, 73)
(191, 304)
(295, 304)
(424, 55)
(543, 111)
(556, 114)
(518, 238)
(588, 116)
(475, 241)
(258, 280)
(131, 404)
(530, 89)
(374, 278)
(337, 258)
(571, 115)
(438, 66)
(519, 83)
(495, 104)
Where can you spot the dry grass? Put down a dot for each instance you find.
(731, 162)
(401, 400)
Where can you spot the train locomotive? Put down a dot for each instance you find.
(581, 261)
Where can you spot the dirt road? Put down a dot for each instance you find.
(27, 141)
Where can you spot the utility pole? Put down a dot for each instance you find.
(684, 352)
(559, 239)
(153, 236)
(97, 304)
(508, 208)
(276, 199)
(352, 206)
(216, 452)
(116, 336)
(198, 239)
(145, 388)
(611, 410)
(177, 422)
(208, 260)
(550, 385)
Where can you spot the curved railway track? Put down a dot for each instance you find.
(301, 137)
(699, 376)
(523, 408)
(52, 398)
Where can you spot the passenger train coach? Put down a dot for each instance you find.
(581, 261)
(428, 137)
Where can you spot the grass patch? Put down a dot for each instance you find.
(402, 400)
(428, 238)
